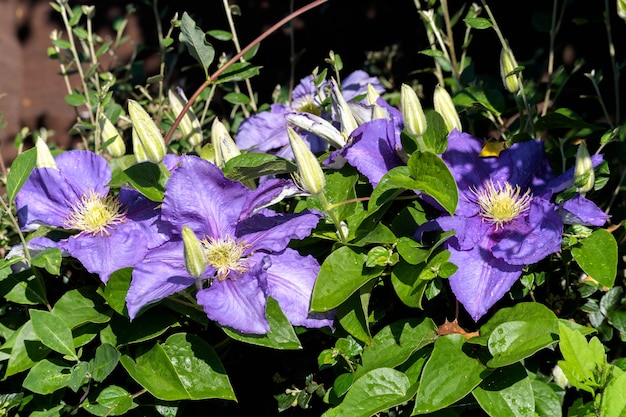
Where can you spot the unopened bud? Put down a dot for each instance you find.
(621, 9)
(372, 95)
(412, 112)
(318, 126)
(584, 177)
(342, 110)
(189, 125)
(147, 133)
(138, 150)
(44, 156)
(508, 70)
(223, 144)
(445, 107)
(311, 175)
(195, 257)
(115, 145)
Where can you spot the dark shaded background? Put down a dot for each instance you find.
(354, 29)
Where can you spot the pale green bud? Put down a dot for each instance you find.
(559, 377)
(412, 112)
(138, 150)
(621, 9)
(340, 106)
(189, 125)
(508, 64)
(108, 131)
(584, 177)
(318, 126)
(195, 257)
(44, 156)
(372, 95)
(223, 144)
(311, 175)
(148, 133)
(445, 107)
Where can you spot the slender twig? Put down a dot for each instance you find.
(614, 68)
(235, 58)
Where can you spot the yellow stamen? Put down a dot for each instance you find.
(95, 213)
(307, 105)
(225, 255)
(499, 204)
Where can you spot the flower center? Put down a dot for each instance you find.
(95, 213)
(499, 204)
(307, 105)
(225, 254)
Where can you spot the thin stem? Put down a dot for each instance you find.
(546, 99)
(233, 30)
(327, 208)
(450, 42)
(235, 58)
(614, 68)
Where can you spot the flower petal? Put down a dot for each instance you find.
(371, 150)
(481, 279)
(528, 240)
(147, 215)
(264, 131)
(210, 209)
(124, 247)
(161, 273)
(85, 171)
(238, 303)
(580, 210)
(268, 193)
(290, 281)
(272, 231)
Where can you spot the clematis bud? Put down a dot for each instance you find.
(318, 126)
(138, 150)
(508, 64)
(311, 175)
(108, 131)
(147, 134)
(340, 106)
(372, 95)
(189, 124)
(412, 112)
(584, 176)
(44, 156)
(223, 144)
(445, 107)
(195, 258)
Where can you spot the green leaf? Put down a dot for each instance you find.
(342, 273)
(395, 343)
(185, 367)
(373, 392)
(280, 336)
(481, 98)
(392, 184)
(220, 35)
(75, 99)
(149, 179)
(613, 399)
(478, 22)
(433, 177)
(436, 136)
(116, 289)
(25, 350)
(104, 362)
(80, 306)
(116, 399)
(238, 71)
(547, 401)
(515, 333)
(195, 40)
(597, 256)
(254, 165)
(142, 328)
(237, 98)
(582, 361)
(506, 392)
(47, 376)
(53, 332)
(448, 376)
(23, 288)
(405, 281)
(48, 259)
(21, 167)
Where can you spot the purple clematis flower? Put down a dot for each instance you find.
(266, 131)
(245, 247)
(505, 219)
(113, 231)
